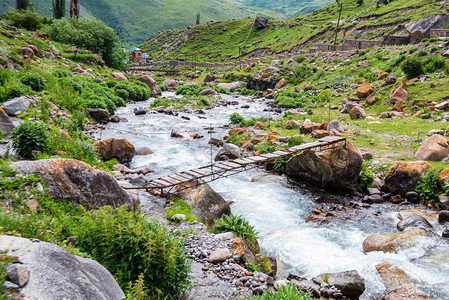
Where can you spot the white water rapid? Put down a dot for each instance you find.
(277, 207)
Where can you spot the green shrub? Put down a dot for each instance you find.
(421, 53)
(29, 136)
(136, 92)
(189, 90)
(244, 91)
(236, 118)
(204, 102)
(412, 50)
(412, 67)
(26, 19)
(280, 165)
(5, 75)
(289, 292)
(161, 102)
(236, 224)
(128, 246)
(299, 59)
(434, 63)
(294, 100)
(367, 73)
(91, 34)
(398, 60)
(428, 187)
(34, 81)
(180, 207)
(62, 73)
(266, 147)
(295, 141)
(17, 89)
(366, 177)
(163, 88)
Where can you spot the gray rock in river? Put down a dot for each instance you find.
(350, 283)
(55, 273)
(413, 222)
(228, 151)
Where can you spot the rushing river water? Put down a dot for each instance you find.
(277, 207)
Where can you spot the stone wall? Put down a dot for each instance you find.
(439, 33)
(396, 40)
(348, 45)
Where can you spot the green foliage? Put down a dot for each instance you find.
(62, 73)
(163, 88)
(5, 261)
(91, 34)
(22, 4)
(266, 147)
(367, 73)
(5, 75)
(236, 118)
(180, 207)
(136, 291)
(189, 90)
(161, 102)
(132, 91)
(412, 67)
(421, 53)
(360, 2)
(412, 50)
(280, 165)
(295, 141)
(198, 18)
(366, 177)
(446, 187)
(29, 136)
(294, 100)
(434, 63)
(289, 292)
(398, 60)
(244, 91)
(299, 59)
(34, 81)
(428, 187)
(252, 266)
(237, 224)
(26, 19)
(128, 246)
(14, 90)
(325, 96)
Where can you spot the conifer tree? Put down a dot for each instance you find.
(58, 9)
(22, 4)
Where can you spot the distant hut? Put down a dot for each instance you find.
(143, 58)
(134, 54)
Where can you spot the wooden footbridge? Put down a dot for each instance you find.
(227, 168)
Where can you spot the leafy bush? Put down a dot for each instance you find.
(180, 207)
(367, 73)
(412, 67)
(434, 63)
(136, 92)
(34, 81)
(17, 89)
(236, 118)
(29, 136)
(163, 87)
(91, 34)
(421, 53)
(366, 177)
(236, 224)
(266, 147)
(280, 165)
(289, 292)
(244, 91)
(26, 19)
(398, 60)
(412, 50)
(428, 187)
(161, 102)
(128, 246)
(62, 73)
(5, 74)
(294, 100)
(189, 90)
(295, 141)
(299, 59)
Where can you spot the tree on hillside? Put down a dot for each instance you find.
(75, 9)
(198, 18)
(58, 9)
(22, 4)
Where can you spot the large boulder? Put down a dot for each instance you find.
(73, 181)
(392, 242)
(120, 149)
(392, 276)
(18, 105)
(207, 205)
(350, 283)
(419, 30)
(151, 83)
(335, 125)
(228, 151)
(119, 76)
(413, 222)
(171, 83)
(267, 78)
(433, 148)
(231, 86)
(241, 249)
(364, 90)
(261, 22)
(357, 112)
(6, 124)
(99, 115)
(28, 52)
(403, 177)
(336, 169)
(407, 292)
(55, 273)
(398, 94)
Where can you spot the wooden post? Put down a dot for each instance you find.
(338, 24)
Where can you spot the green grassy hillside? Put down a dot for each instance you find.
(221, 40)
(289, 7)
(134, 20)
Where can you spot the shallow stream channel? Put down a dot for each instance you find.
(276, 206)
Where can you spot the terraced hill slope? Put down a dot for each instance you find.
(288, 7)
(218, 41)
(134, 20)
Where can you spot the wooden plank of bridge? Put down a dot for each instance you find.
(193, 173)
(178, 178)
(231, 164)
(223, 166)
(256, 158)
(170, 180)
(242, 161)
(205, 171)
(161, 184)
(185, 176)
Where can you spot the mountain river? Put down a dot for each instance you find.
(277, 206)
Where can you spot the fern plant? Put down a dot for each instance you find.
(428, 187)
(236, 224)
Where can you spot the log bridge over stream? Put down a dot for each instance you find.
(227, 168)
